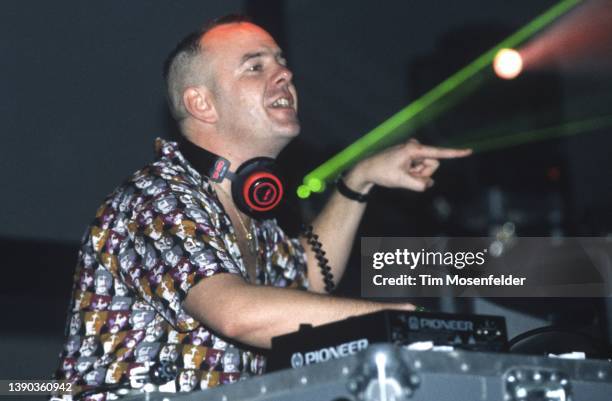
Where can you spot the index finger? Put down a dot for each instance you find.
(440, 153)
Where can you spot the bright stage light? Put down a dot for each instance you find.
(508, 63)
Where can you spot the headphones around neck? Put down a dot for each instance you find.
(257, 189)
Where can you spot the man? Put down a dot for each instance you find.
(242, 281)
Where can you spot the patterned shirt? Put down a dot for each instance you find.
(154, 238)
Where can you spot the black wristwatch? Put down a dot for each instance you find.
(349, 193)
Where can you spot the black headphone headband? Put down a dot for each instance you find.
(206, 162)
(256, 187)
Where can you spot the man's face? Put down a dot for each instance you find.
(168, 353)
(88, 346)
(86, 279)
(140, 319)
(126, 259)
(103, 282)
(73, 344)
(199, 336)
(253, 91)
(172, 256)
(120, 288)
(192, 245)
(118, 321)
(75, 323)
(87, 260)
(187, 380)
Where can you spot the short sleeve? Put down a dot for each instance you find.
(175, 246)
(287, 259)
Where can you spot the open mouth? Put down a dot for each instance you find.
(282, 102)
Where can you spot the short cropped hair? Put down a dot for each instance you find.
(185, 61)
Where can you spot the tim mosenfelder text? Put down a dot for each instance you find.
(458, 260)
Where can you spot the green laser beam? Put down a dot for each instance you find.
(558, 131)
(399, 123)
(522, 122)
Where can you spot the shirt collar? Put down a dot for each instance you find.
(170, 150)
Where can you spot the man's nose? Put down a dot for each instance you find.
(283, 75)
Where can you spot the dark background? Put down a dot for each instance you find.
(82, 100)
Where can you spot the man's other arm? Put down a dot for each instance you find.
(407, 166)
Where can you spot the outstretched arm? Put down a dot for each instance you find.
(409, 166)
(253, 314)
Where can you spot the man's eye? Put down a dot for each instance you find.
(255, 67)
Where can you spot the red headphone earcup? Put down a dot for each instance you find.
(262, 191)
(256, 188)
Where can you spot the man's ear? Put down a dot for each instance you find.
(198, 101)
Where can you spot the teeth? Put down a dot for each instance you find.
(282, 102)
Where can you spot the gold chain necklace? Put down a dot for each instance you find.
(251, 241)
